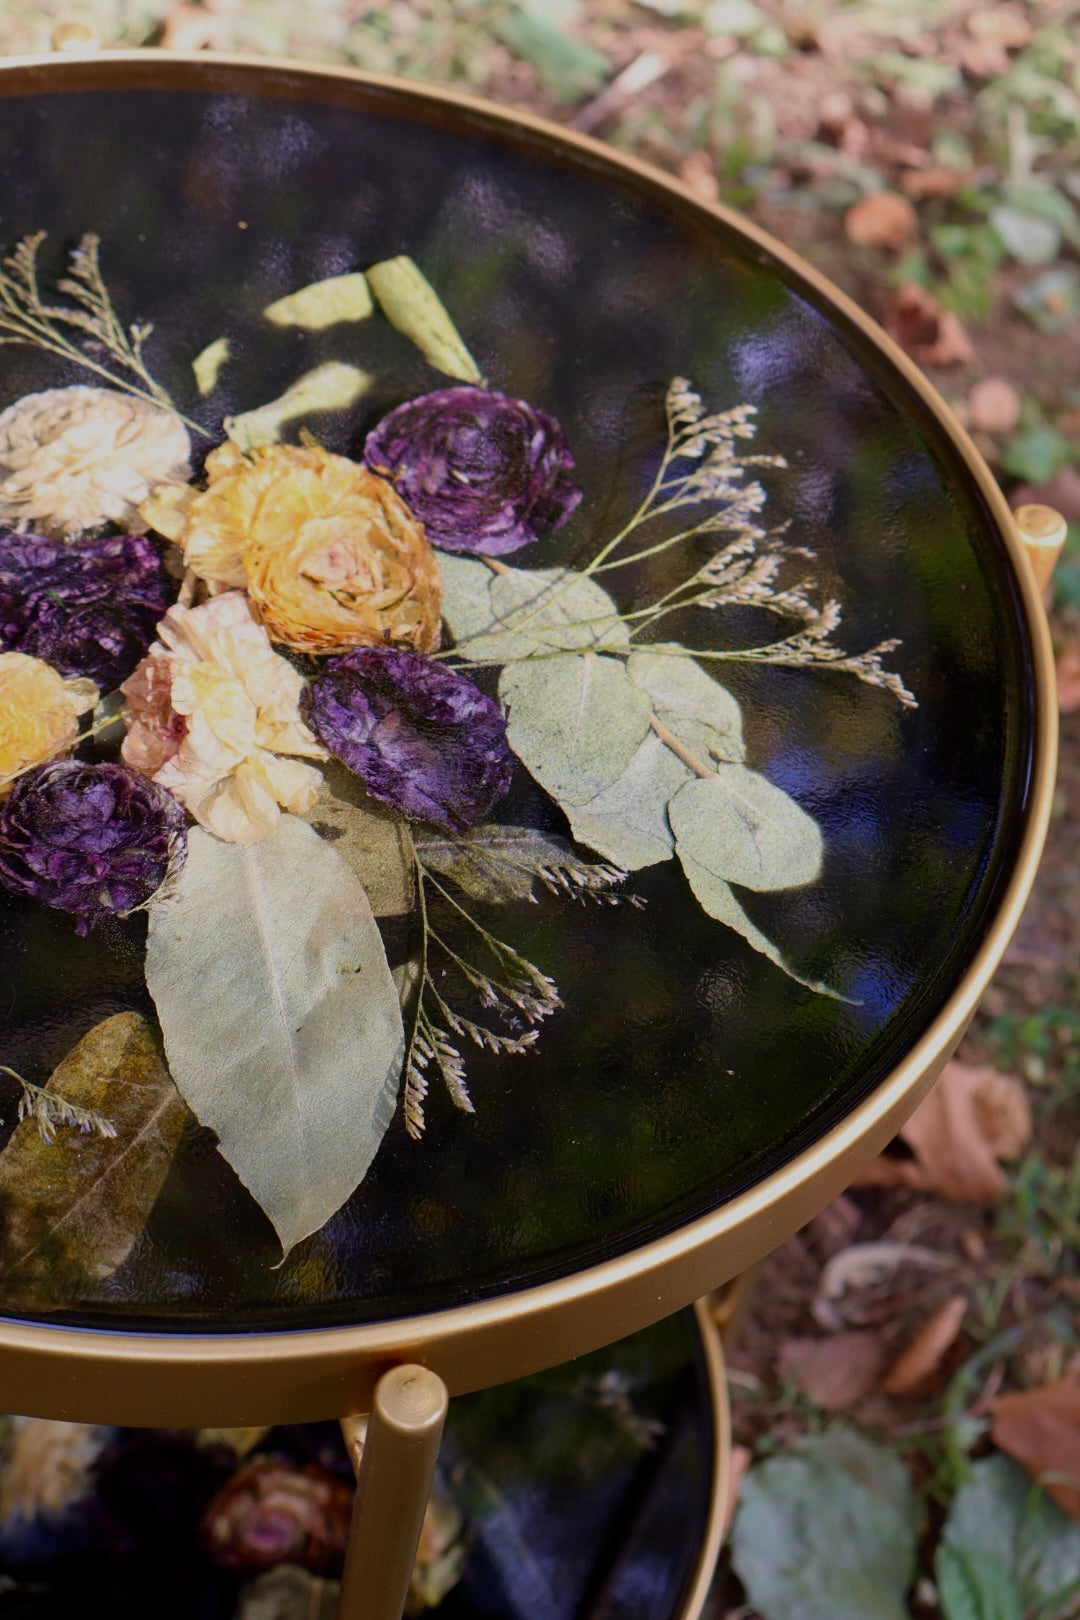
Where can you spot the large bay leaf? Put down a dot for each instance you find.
(79, 1203)
(410, 302)
(744, 829)
(716, 898)
(323, 303)
(499, 864)
(370, 839)
(530, 612)
(281, 1020)
(575, 721)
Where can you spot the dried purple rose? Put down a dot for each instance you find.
(419, 736)
(274, 1512)
(88, 609)
(89, 839)
(482, 472)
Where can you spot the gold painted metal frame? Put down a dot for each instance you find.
(191, 1379)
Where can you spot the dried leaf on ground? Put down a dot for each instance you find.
(930, 334)
(973, 1118)
(834, 1372)
(884, 219)
(934, 182)
(1041, 1429)
(927, 1350)
(994, 406)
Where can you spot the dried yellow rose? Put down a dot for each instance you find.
(39, 713)
(329, 555)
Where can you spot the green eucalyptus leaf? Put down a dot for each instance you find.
(1028, 237)
(574, 721)
(717, 899)
(686, 699)
(744, 829)
(208, 365)
(831, 1530)
(78, 1204)
(332, 387)
(529, 613)
(999, 1515)
(466, 596)
(411, 304)
(568, 68)
(499, 864)
(1051, 301)
(369, 838)
(323, 303)
(627, 822)
(969, 1590)
(281, 1021)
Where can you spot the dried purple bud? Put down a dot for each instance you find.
(89, 839)
(482, 472)
(88, 609)
(419, 736)
(278, 1513)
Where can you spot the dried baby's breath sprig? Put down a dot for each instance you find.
(812, 645)
(50, 1110)
(505, 983)
(27, 318)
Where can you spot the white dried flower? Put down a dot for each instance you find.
(74, 458)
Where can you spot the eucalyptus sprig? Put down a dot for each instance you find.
(27, 318)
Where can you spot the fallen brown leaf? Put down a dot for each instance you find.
(1002, 25)
(973, 1117)
(698, 173)
(994, 406)
(741, 1458)
(930, 334)
(924, 1355)
(1068, 680)
(884, 219)
(983, 58)
(1040, 1428)
(922, 183)
(835, 1372)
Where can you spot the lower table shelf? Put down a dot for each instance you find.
(592, 1491)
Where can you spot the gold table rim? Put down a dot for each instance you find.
(191, 1379)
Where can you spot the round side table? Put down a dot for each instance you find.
(766, 788)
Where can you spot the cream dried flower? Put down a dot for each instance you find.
(74, 458)
(211, 710)
(39, 713)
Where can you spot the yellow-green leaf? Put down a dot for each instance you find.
(207, 366)
(410, 302)
(324, 303)
(77, 1205)
(332, 387)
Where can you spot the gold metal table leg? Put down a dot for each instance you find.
(394, 1455)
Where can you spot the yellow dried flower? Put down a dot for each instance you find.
(39, 713)
(327, 552)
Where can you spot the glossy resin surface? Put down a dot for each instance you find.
(684, 1063)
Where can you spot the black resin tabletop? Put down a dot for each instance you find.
(681, 741)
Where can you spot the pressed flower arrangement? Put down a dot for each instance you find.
(325, 668)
